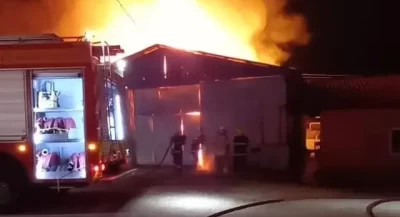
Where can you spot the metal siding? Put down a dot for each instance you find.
(153, 135)
(145, 68)
(12, 105)
(158, 118)
(360, 138)
(354, 92)
(255, 106)
(169, 100)
(144, 139)
(191, 130)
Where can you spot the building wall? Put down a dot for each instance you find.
(257, 107)
(159, 113)
(358, 139)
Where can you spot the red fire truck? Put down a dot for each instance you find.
(62, 105)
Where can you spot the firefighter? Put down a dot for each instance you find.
(196, 146)
(177, 143)
(221, 151)
(240, 151)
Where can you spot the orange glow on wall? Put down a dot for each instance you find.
(165, 67)
(182, 126)
(194, 113)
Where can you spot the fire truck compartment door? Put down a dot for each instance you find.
(12, 105)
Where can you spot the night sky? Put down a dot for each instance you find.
(349, 37)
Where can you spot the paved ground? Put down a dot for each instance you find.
(165, 193)
(320, 207)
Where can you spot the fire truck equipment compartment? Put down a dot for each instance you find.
(59, 128)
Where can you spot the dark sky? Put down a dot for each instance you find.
(352, 36)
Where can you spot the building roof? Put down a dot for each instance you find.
(160, 47)
(160, 66)
(354, 92)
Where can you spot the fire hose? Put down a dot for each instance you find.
(237, 208)
(371, 206)
(165, 154)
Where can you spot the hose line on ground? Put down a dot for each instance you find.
(237, 208)
(371, 206)
(165, 155)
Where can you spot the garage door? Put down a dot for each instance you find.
(12, 105)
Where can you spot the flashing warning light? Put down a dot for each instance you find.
(22, 148)
(92, 147)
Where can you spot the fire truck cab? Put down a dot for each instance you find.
(61, 113)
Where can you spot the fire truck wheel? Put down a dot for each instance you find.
(13, 184)
(10, 192)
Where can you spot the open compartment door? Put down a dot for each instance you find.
(59, 126)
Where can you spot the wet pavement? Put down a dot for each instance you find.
(164, 192)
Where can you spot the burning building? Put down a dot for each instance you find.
(283, 111)
(197, 92)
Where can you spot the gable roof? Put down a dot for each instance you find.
(160, 47)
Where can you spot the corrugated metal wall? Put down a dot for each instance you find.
(254, 105)
(257, 106)
(159, 113)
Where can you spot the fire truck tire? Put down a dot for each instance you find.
(114, 168)
(13, 184)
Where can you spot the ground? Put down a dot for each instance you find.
(163, 192)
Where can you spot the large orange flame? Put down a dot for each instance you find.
(248, 29)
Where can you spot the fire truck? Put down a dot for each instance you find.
(62, 104)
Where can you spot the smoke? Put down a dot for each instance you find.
(253, 29)
(272, 31)
(24, 17)
(280, 34)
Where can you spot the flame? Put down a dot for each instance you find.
(200, 162)
(257, 30)
(205, 162)
(252, 29)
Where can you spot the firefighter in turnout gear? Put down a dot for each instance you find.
(220, 149)
(177, 143)
(196, 146)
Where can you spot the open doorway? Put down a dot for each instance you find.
(313, 133)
